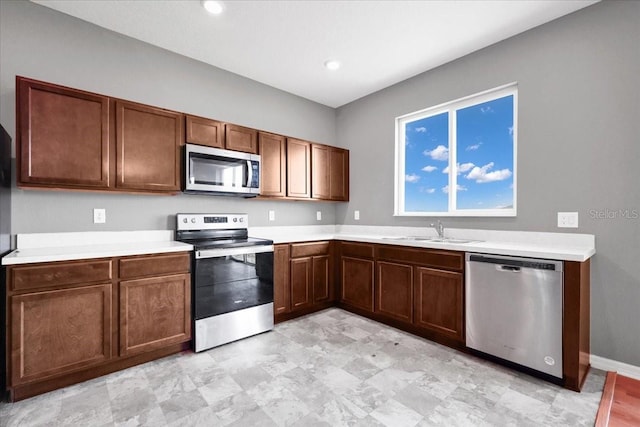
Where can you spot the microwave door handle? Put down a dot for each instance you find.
(249, 174)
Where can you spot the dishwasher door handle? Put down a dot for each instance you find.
(509, 268)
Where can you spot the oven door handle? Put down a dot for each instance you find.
(244, 250)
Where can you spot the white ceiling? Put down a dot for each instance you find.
(285, 43)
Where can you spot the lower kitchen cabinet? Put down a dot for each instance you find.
(281, 292)
(301, 290)
(357, 283)
(394, 290)
(59, 331)
(303, 278)
(321, 278)
(66, 318)
(154, 312)
(439, 304)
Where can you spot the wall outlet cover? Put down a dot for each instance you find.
(356, 215)
(272, 215)
(567, 219)
(99, 216)
(319, 215)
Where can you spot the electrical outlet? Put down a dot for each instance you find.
(99, 216)
(356, 215)
(319, 215)
(272, 215)
(568, 219)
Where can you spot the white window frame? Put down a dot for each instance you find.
(451, 107)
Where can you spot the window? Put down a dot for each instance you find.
(459, 158)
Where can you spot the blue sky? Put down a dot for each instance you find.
(485, 159)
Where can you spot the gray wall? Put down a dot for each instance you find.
(578, 147)
(40, 43)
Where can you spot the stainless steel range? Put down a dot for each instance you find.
(232, 278)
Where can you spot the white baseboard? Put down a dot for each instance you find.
(621, 368)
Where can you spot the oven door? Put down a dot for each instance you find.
(212, 170)
(233, 279)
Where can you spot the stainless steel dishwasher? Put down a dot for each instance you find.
(514, 310)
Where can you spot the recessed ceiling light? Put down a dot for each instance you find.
(332, 64)
(212, 6)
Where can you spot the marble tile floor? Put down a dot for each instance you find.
(331, 368)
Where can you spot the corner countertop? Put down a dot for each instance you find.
(48, 247)
(556, 246)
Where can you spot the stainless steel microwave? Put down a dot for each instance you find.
(223, 172)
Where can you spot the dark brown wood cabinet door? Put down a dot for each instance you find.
(56, 332)
(62, 137)
(154, 312)
(243, 139)
(439, 302)
(203, 131)
(273, 164)
(298, 168)
(148, 144)
(320, 172)
(394, 290)
(281, 284)
(322, 282)
(357, 282)
(301, 290)
(339, 174)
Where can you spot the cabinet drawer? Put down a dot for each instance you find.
(300, 250)
(57, 274)
(154, 265)
(433, 258)
(362, 250)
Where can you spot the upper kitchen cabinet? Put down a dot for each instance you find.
(338, 174)
(63, 137)
(243, 139)
(203, 131)
(148, 142)
(273, 171)
(330, 173)
(320, 171)
(298, 168)
(71, 139)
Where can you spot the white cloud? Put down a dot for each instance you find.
(413, 178)
(427, 190)
(482, 174)
(421, 129)
(439, 153)
(445, 189)
(429, 168)
(511, 130)
(461, 168)
(464, 167)
(486, 110)
(473, 147)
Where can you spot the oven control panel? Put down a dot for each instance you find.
(211, 221)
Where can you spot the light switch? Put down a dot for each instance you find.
(319, 215)
(356, 215)
(99, 216)
(272, 215)
(567, 219)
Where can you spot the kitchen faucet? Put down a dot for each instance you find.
(439, 228)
